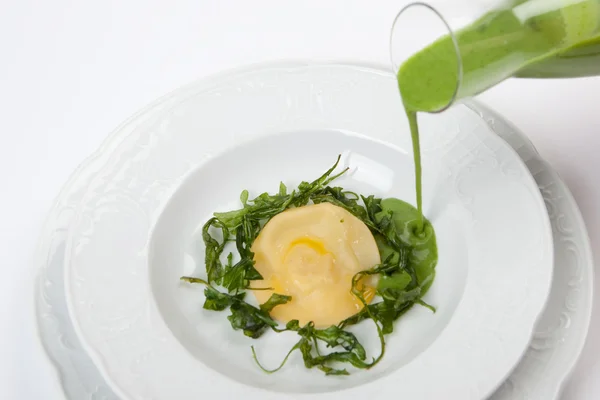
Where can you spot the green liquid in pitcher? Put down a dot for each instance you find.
(499, 45)
(502, 43)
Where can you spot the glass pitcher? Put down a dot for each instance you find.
(459, 48)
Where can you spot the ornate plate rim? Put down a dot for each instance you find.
(95, 352)
(87, 164)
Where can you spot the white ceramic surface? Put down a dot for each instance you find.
(562, 329)
(138, 351)
(534, 377)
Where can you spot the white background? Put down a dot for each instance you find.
(72, 70)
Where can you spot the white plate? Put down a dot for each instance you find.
(535, 379)
(567, 314)
(540, 375)
(153, 340)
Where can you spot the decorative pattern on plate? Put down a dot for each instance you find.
(561, 330)
(79, 376)
(108, 249)
(81, 379)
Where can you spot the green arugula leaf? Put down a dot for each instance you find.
(335, 336)
(282, 189)
(270, 371)
(214, 248)
(293, 325)
(251, 320)
(191, 279)
(244, 197)
(395, 281)
(231, 219)
(218, 301)
(336, 357)
(306, 189)
(237, 277)
(332, 371)
(274, 300)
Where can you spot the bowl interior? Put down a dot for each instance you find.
(376, 168)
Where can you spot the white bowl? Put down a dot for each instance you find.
(149, 336)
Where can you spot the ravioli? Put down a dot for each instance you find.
(311, 253)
